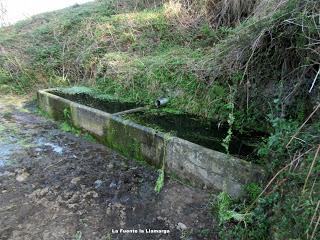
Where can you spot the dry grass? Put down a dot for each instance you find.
(136, 5)
(229, 12)
(265, 8)
(219, 12)
(250, 50)
(184, 13)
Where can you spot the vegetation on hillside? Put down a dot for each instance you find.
(253, 63)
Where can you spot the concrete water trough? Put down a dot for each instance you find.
(188, 160)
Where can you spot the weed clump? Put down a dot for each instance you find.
(160, 181)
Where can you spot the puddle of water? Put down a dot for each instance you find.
(41, 142)
(5, 151)
(109, 106)
(55, 148)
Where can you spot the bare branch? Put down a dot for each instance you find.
(314, 81)
(297, 132)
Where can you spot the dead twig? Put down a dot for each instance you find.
(275, 176)
(52, 165)
(313, 217)
(297, 132)
(7, 208)
(315, 228)
(313, 184)
(311, 168)
(314, 81)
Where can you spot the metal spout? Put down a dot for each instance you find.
(161, 102)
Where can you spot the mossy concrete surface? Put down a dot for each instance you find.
(134, 140)
(188, 161)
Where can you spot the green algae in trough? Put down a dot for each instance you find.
(204, 132)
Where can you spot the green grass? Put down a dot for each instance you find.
(67, 125)
(136, 56)
(262, 67)
(160, 181)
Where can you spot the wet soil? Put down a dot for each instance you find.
(54, 185)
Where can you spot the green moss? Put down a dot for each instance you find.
(128, 146)
(253, 190)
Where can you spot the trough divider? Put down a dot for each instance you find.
(139, 109)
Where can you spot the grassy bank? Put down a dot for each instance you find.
(253, 64)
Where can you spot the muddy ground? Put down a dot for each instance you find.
(55, 185)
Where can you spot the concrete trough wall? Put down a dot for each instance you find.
(189, 161)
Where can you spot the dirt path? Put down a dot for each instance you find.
(54, 185)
